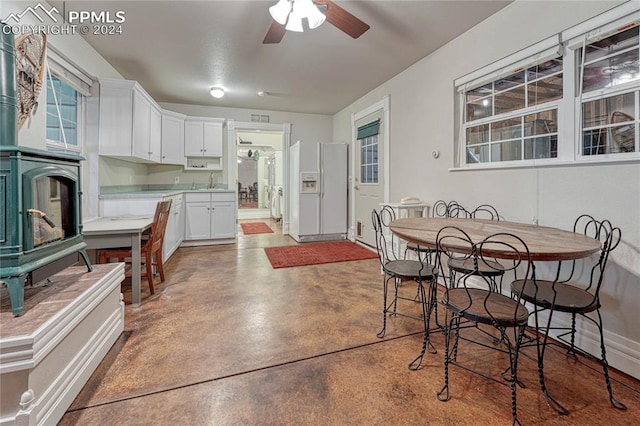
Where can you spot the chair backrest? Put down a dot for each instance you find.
(454, 209)
(485, 211)
(439, 209)
(385, 239)
(609, 237)
(451, 209)
(483, 252)
(159, 225)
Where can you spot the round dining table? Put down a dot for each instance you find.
(544, 243)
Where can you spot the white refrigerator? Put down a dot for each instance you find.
(318, 202)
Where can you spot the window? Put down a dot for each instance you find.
(609, 88)
(369, 159)
(367, 136)
(558, 100)
(63, 114)
(514, 117)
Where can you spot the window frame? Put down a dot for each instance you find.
(569, 107)
(79, 119)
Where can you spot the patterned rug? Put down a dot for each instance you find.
(316, 253)
(255, 228)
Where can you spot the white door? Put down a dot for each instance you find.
(193, 138)
(369, 175)
(223, 220)
(198, 223)
(141, 125)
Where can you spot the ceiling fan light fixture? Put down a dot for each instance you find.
(295, 22)
(280, 11)
(217, 92)
(312, 13)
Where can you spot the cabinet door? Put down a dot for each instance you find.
(115, 120)
(193, 138)
(169, 233)
(212, 140)
(172, 140)
(141, 117)
(198, 221)
(155, 133)
(223, 220)
(179, 229)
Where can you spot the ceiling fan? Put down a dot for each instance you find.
(335, 15)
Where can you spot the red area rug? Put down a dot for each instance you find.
(255, 228)
(316, 253)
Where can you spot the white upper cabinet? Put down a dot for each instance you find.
(172, 138)
(130, 124)
(203, 137)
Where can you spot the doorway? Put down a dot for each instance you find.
(253, 148)
(369, 168)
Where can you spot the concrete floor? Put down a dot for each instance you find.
(229, 340)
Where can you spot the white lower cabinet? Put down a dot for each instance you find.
(174, 234)
(210, 216)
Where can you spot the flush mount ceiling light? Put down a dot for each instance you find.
(292, 12)
(217, 92)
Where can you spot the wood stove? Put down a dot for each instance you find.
(40, 200)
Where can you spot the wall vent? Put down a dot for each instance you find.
(259, 118)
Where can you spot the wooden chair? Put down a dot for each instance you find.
(150, 247)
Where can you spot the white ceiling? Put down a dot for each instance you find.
(178, 50)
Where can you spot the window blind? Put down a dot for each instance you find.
(368, 130)
(68, 72)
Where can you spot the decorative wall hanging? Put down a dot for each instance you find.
(31, 52)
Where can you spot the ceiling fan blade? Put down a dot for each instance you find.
(275, 33)
(343, 20)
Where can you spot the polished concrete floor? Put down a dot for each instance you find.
(227, 340)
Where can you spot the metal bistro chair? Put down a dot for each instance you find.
(399, 271)
(150, 248)
(474, 308)
(440, 209)
(488, 267)
(569, 296)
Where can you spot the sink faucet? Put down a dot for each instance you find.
(211, 184)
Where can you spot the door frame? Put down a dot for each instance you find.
(232, 161)
(384, 106)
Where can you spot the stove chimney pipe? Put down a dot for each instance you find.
(8, 101)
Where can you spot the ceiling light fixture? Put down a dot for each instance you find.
(217, 92)
(292, 12)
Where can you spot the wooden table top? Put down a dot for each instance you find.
(544, 243)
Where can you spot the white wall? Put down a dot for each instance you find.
(422, 120)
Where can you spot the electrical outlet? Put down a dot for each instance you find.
(176, 180)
